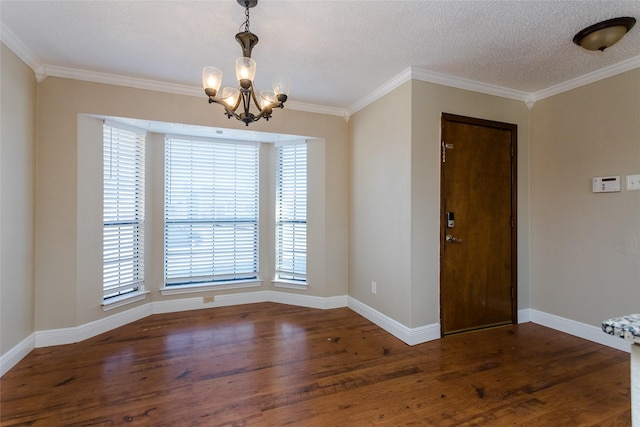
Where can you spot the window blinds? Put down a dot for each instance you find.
(123, 210)
(291, 212)
(211, 211)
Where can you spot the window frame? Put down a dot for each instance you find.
(249, 205)
(123, 206)
(294, 202)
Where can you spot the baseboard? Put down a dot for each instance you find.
(578, 329)
(71, 335)
(16, 354)
(411, 336)
(308, 301)
(301, 300)
(524, 315)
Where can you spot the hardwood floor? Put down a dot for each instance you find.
(271, 364)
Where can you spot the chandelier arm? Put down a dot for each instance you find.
(266, 113)
(247, 116)
(236, 105)
(246, 100)
(228, 111)
(273, 105)
(255, 100)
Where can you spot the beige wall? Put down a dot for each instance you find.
(585, 247)
(380, 204)
(395, 196)
(17, 148)
(69, 280)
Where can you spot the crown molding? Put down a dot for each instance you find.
(118, 80)
(610, 71)
(410, 73)
(320, 109)
(381, 91)
(21, 50)
(138, 83)
(468, 84)
(413, 73)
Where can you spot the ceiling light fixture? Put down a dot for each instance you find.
(230, 97)
(604, 34)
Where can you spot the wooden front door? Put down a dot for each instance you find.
(478, 225)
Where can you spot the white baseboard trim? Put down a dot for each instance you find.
(16, 354)
(308, 301)
(180, 304)
(79, 333)
(524, 315)
(71, 335)
(578, 329)
(411, 336)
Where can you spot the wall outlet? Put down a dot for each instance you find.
(208, 300)
(374, 288)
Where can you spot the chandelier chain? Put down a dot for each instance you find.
(246, 23)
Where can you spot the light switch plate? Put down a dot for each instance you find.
(633, 182)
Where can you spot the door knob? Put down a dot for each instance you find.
(450, 239)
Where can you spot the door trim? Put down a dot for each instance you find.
(447, 117)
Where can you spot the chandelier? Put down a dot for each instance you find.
(232, 98)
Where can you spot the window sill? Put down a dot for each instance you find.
(211, 286)
(122, 300)
(289, 284)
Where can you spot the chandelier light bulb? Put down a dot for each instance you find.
(230, 96)
(211, 79)
(281, 86)
(245, 70)
(267, 98)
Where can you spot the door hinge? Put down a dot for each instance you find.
(513, 151)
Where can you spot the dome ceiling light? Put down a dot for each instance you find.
(604, 34)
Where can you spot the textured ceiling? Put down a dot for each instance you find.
(335, 52)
